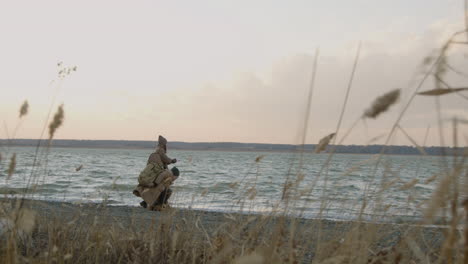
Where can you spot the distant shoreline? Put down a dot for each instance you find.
(226, 150)
(228, 146)
(232, 146)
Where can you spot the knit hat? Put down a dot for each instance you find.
(162, 141)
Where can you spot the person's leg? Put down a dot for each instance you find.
(151, 196)
(164, 196)
(167, 195)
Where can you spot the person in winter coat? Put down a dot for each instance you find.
(155, 179)
(159, 157)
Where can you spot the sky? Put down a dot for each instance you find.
(226, 71)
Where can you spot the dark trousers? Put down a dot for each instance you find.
(164, 197)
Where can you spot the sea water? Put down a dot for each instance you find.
(310, 185)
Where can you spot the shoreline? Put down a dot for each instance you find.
(67, 207)
(137, 208)
(233, 150)
(402, 220)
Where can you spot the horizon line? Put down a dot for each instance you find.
(218, 142)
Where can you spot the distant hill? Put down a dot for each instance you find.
(233, 146)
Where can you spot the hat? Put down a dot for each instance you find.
(162, 141)
(175, 171)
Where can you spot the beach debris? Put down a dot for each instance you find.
(56, 122)
(442, 91)
(79, 167)
(323, 143)
(12, 166)
(24, 109)
(382, 103)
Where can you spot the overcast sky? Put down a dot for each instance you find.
(223, 70)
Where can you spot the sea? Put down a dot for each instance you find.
(341, 186)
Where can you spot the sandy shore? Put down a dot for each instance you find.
(309, 231)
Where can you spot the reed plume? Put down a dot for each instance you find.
(382, 103)
(259, 158)
(56, 122)
(12, 166)
(323, 143)
(79, 167)
(442, 91)
(24, 109)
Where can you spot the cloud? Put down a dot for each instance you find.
(271, 108)
(156, 89)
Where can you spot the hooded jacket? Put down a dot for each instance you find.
(157, 163)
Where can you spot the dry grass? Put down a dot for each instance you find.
(323, 143)
(56, 122)
(30, 234)
(382, 103)
(24, 109)
(95, 235)
(442, 91)
(12, 166)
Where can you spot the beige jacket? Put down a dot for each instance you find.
(160, 158)
(156, 165)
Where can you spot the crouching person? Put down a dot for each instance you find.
(155, 179)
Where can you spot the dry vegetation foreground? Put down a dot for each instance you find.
(55, 232)
(58, 232)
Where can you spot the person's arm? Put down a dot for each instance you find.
(166, 159)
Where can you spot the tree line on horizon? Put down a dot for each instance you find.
(351, 149)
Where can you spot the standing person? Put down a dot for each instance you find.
(155, 179)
